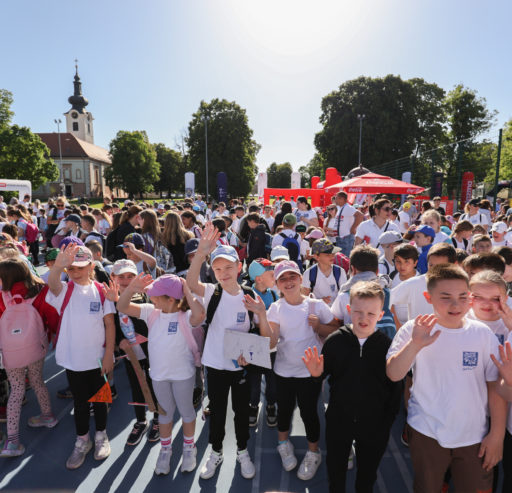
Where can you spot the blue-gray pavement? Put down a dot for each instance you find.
(130, 469)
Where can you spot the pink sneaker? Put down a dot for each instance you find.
(39, 421)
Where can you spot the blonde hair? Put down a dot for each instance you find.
(174, 231)
(489, 277)
(367, 290)
(150, 225)
(431, 213)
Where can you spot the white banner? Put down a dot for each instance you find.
(262, 184)
(190, 184)
(295, 180)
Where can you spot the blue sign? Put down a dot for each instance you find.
(222, 187)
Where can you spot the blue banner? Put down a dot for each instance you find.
(222, 187)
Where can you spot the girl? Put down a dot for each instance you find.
(432, 218)
(188, 218)
(103, 221)
(150, 229)
(174, 238)
(293, 324)
(462, 236)
(330, 222)
(304, 213)
(84, 341)
(17, 280)
(172, 361)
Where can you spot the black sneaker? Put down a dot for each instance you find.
(64, 393)
(113, 390)
(136, 433)
(253, 415)
(197, 397)
(154, 432)
(271, 415)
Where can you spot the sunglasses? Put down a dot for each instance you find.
(387, 209)
(331, 208)
(60, 206)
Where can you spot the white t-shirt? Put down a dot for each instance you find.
(230, 314)
(440, 238)
(345, 215)
(498, 327)
(385, 266)
(3, 205)
(509, 418)
(449, 392)
(169, 353)
(324, 286)
(410, 293)
(270, 221)
(103, 226)
(295, 334)
(403, 219)
(478, 218)
(309, 215)
(82, 330)
(369, 232)
(466, 246)
(339, 307)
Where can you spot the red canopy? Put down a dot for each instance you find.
(373, 183)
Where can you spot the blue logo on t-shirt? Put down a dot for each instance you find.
(333, 287)
(469, 359)
(240, 317)
(501, 338)
(173, 328)
(94, 307)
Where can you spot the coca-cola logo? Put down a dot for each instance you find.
(355, 189)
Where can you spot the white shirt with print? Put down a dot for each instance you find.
(324, 286)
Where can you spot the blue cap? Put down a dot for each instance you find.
(191, 246)
(196, 208)
(135, 238)
(259, 266)
(426, 230)
(226, 252)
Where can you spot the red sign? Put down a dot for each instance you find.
(468, 179)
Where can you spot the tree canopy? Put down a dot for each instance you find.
(279, 175)
(134, 163)
(172, 169)
(231, 147)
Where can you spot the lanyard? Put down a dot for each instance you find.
(339, 219)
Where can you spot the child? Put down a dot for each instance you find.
(227, 310)
(324, 279)
(294, 323)
(506, 254)
(482, 244)
(17, 280)
(483, 261)
(133, 248)
(432, 218)
(462, 236)
(257, 238)
(424, 239)
(499, 231)
(405, 259)
(354, 358)
(84, 340)
(172, 360)
(454, 388)
(389, 241)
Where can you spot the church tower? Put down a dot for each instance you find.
(78, 120)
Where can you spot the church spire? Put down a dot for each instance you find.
(78, 101)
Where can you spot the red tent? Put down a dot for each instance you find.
(373, 183)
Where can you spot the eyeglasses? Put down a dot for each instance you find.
(60, 205)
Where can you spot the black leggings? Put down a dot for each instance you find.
(304, 392)
(137, 395)
(220, 382)
(83, 385)
(507, 463)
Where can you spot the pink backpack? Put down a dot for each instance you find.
(193, 335)
(23, 338)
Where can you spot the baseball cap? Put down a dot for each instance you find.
(75, 218)
(279, 252)
(259, 267)
(70, 239)
(135, 238)
(196, 208)
(426, 230)
(168, 285)
(124, 265)
(191, 246)
(323, 245)
(474, 202)
(83, 257)
(301, 228)
(499, 227)
(51, 254)
(315, 234)
(289, 219)
(285, 266)
(226, 252)
(391, 237)
(406, 206)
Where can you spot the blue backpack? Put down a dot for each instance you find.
(293, 247)
(313, 273)
(387, 323)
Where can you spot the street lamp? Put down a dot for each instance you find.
(58, 121)
(360, 118)
(205, 118)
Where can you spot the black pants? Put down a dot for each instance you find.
(270, 384)
(220, 382)
(507, 463)
(34, 251)
(137, 395)
(370, 447)
(304, 392)
(83, 385)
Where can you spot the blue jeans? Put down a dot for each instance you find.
(346, 243)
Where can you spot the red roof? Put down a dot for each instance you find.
(72, 147)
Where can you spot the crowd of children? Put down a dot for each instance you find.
(391, 308)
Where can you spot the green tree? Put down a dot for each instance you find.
(24, 156)
(315, 167)
(505, 157)
(231, 147)
(171, 169)
(134, 165)
(5, 108)
(279, 175)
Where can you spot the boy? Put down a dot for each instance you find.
(482, 244)
(133, 247)
(97, 254)
(257, 238)
(424, 239)
(389, 241)
(222, 374)
(354, 358)
(499, 230)
(454, 386)
(324, 279)
(290, 239)
(261, 273)
(405, 258)
(483, 261)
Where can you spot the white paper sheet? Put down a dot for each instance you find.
(254, 348)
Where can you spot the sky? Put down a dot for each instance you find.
(147, 65)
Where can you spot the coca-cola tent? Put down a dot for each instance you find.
(372, 183)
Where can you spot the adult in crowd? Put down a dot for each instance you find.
(474, 215)
(304, 213)
(437, 206)
(286, 208)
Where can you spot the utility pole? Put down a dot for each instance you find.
(360, 118)
(497, 169)
(206, 153)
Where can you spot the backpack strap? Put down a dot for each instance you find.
(67, 297)
(186, 330)
(212, 307)
(153, 317)
(99, 287)
(313, 273)
(274, 295)
(252, 294)
(336, 270)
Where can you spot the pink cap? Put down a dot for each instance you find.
(316, 234)
(168, 285)
(285, 266)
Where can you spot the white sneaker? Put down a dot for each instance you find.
(287, 456)
(77, 457)
(350, 464)
(101, 445)
(246, 466)
(188, 464)
(163, 463)
(214, 461)
(309, 465)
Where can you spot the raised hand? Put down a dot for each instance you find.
(208, 241)
(66, 256)
(141, 282)
(111, 291)
(423, 325)
(254, 305)
(505, 312)
(505, 365)
(314, 362)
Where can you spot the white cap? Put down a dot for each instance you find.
(499, 227)
(279, 252)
